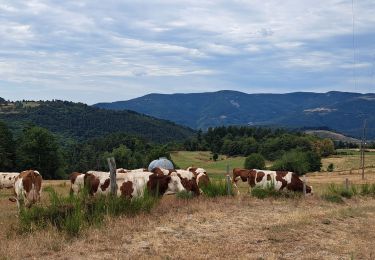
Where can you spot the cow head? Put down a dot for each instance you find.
(91, 183)
(309, 190)
(190, 185)
(158, 183)
(174, 184)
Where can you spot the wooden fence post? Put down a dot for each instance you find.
(304, 185)
(227, 181)
(347, 184)
(112, 174)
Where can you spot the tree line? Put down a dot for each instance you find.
(38, 148)
(290, 150)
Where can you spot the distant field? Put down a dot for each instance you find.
(345, 162)
(350, 161)
(184, 159)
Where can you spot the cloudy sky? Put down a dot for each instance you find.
(93, 50)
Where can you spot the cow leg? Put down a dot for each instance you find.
(237, 188)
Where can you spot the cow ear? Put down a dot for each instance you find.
(168, 178)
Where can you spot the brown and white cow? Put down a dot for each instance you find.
(201, 175)
(130, 184)
(7, 179)
(27, 188)
(76, 182)
(189, 181)
(157, 183)
(280, 180)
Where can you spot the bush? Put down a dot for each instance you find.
(255, 161)
(330, 167)
(298, 161)
(216, 189)
(73, 213)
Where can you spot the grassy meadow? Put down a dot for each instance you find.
(185, 227)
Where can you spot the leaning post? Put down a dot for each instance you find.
(304, 185)
(227, 181)
(112, 174)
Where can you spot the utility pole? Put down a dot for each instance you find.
(363, 144)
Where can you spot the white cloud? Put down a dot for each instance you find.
(182, 46)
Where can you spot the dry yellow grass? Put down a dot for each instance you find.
(241, 227)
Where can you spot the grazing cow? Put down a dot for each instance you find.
(27, 188)
(280, 180)
(7, 179)
(132, 184)
(189, 181)
(201, 175)
(238, 174)
(76, 182)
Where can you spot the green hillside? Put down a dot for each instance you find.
(340, 111)
(80, 122)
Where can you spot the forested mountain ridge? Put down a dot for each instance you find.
(79, 121)
(341, 111)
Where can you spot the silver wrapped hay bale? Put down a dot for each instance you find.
(162, 162)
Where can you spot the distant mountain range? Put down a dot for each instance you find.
(341, 111)
(79, 121)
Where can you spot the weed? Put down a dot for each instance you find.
(333, 198)
(217, 188)
(186, 195)
(73, 213)
(270, 191)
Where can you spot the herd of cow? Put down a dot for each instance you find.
(132, 183)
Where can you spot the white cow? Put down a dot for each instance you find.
(27, 188)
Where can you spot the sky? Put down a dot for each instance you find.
(93, 51)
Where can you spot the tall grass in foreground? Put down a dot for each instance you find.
(71, 214)
(336, 193)
(270, 192)
(217, 188)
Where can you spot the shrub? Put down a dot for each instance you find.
(73, 213)
(330, 167)
(215, 157)
(298, 161)
(217, 188)
(255, 161)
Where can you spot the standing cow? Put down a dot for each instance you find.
(280, 180)
(7, 179)
(27, 188)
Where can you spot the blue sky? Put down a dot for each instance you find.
(94, 51)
